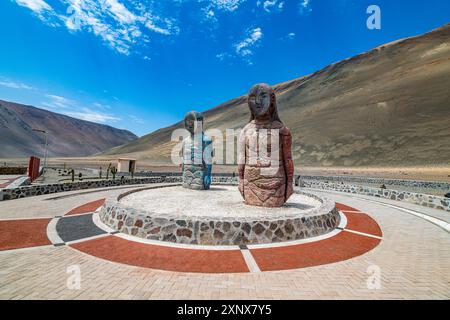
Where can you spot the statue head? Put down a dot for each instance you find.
(193, 122)
(263, 103)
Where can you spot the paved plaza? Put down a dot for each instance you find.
(383, 250)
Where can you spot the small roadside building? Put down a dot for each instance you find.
(126, 165)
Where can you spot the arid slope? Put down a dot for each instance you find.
(389, 106)
(67, 136)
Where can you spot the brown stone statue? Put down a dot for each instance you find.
(266, 168)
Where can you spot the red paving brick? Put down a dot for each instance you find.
(17, 234)
(363, 223)
(342, 207)
(164, 258)
(87, 208)
(341, 247)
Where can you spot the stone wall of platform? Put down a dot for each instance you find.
(219, 231)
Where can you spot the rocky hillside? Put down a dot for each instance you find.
(388, 106)
(67, 136)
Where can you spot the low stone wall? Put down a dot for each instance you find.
(434, 185)
(204, 230)
(425, 200)
(37, 190)
(13, 170)
(225, 180)
(169, 174)
(415, 198)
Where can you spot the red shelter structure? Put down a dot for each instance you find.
(33, 168)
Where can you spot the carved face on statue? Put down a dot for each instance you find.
(262, 102)
(193, 122)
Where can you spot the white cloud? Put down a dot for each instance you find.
(305, 6)
(137, 119)
(4, 82)
(73, 109)
(120, 12)
(36, 5)
(91, 115)
(244, 47)
(63, 105)
(120, 25)
(268, 5)
(101, 106)
(150, 25)
(41, 9)
(129, 26)
(213, 7)
(57, 102)
(304, 3)
(222, 56)
(289, 36)
(209, 13)
(227, 5)
(109, 20)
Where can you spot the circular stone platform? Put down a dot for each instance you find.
(217, 217)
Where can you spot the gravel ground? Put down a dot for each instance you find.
(220, 201)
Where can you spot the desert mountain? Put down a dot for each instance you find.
(387, 106)
(67, 136)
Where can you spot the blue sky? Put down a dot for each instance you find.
(141, 65)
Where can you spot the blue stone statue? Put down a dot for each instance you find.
(197, 154)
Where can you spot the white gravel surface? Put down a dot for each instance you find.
(220, 201)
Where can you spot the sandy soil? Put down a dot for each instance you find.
(439, 173)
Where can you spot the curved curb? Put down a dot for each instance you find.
(52, 234)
